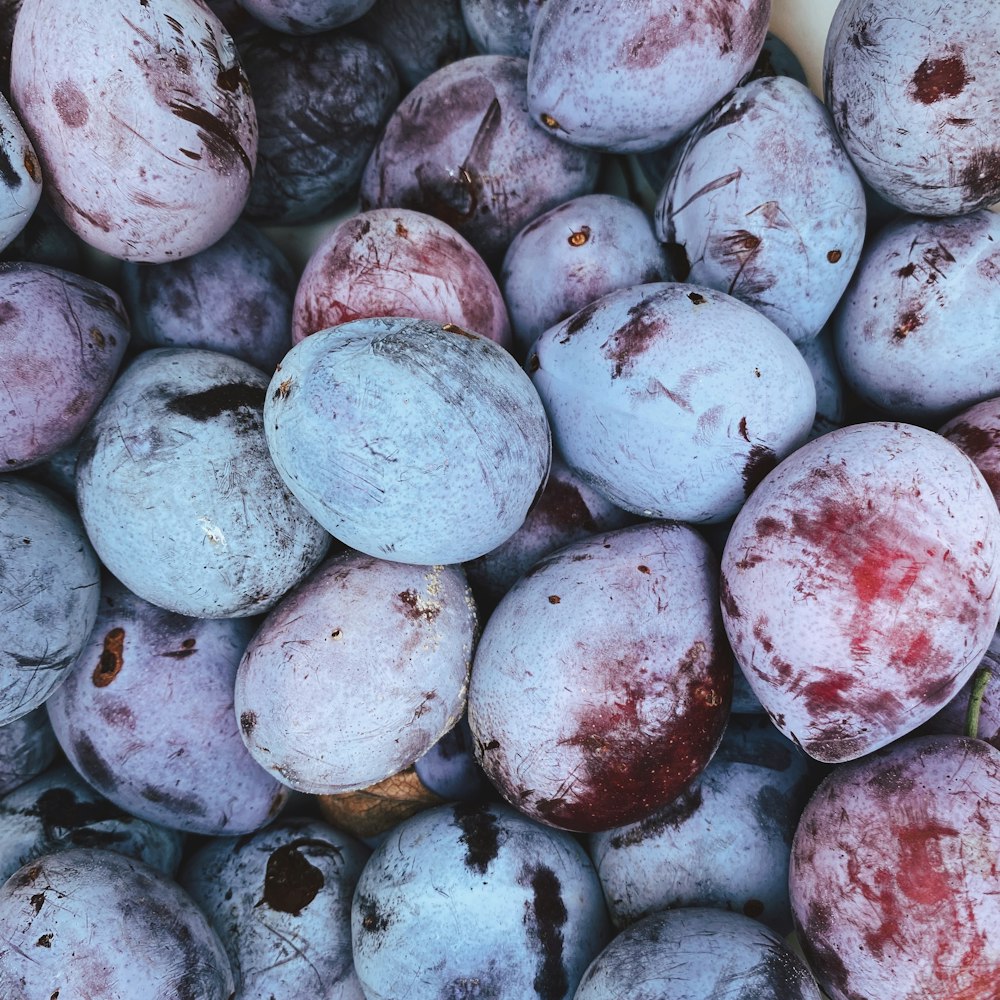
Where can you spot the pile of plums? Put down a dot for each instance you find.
(498, 500)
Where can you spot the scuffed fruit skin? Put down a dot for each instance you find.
(27, 747)
(49, 591)
(977, 432)
(476, 900)
(280, 902)
(356, 673)
(887, 855)
(154, 943)
(63, 339)
(20, 176)
(697, 952)
(630, 78)
(146, 716)
(909, 331)
(461, 146)
(306, 17)
(397, 262)
(407, 440)
(672, 400)
(859, 585)
(602, 683)
(913, 98)
(158, 93)
(177, 492)
(767, 205)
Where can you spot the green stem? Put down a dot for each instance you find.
(979, 683)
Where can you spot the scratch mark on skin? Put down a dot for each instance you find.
(719, 182)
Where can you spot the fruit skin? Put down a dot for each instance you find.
(20, 175)
(602, 682)
(49, 591)
(407, 440)
(462, 146)
(909, 331)
(142, 120)
(280, 901)
(888, 540)
(976, 431)
(357, 672)
(672, 400)
(397, 262)
(476, 900)
(306, 17)
(154, 942)
(767, 205)
(180, 435)
(146, 716)
(630, 78)
(27, 747)
(665, 957)
(913, 98)
(894, 869)
(64, 337)
(501, 27)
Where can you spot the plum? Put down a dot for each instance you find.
(893, 873)
(859, 585)
(27, 747)
(601, 684)
(476, 901)
(235, 297)
(912, 87)
(306, 17)
(177, 492)
(20, 175)
(831, 393)
(501, 27)
(46, 239)
(142, 119)
(408, 440)
(976, 431)
(280, 901)
(462, 146)
(357, 672)
(64, 337)
(49, 592)
(672, 400)
(632, 77)
(153, 941)
(398, 262)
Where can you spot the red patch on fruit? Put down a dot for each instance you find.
(923, 873)
(936, 79)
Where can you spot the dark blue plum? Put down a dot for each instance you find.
(27, 747)
(501, 27)
(306, 17)
(46, 239)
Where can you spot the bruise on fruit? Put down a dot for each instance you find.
(578, 321)
(936, 79)
(416, 609)
(111, 660)
(291, 882)
(71, 104)
(187, 649)
(759, 463)
(374, 919)
(631, 339)
(91, 764)
(64, 817)
(561, 506)
(210, 403)
(547, 917)
(909, 321)
(672, 816)
(216, 135)
(480, 834)
(982, 445)
(980, 177)
(185, 804)
(9, 177)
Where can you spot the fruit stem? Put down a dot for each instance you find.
(979, 683)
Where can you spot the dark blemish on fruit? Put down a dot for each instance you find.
(211, 403)
(533, 364)
(553, 598)
(452, 328)
(217, 136)
(45, 941)
(562, 506)
(936, 79)
(415, 609)
(774, 811)
(698, 300)
(974, 441)
(185, 804)
(37, 901)
(580, 237)
(980, 178)
(291, 882)
(8, 312)
(834, 256)
(187, 649)
(480, 834)
(401, 231)
(230, 79)
(373, 918)
(677, 258)
(631, 339)
(906, 271)
(743, 430)
(643, 569)
(248, 720)
(492, 745)
(8, 175)
(753, 908)
(861, 37)
(548, 121)
(111, 660)
(284, 388)
(91, 764)
(549, 913)
(728, 601)
(189, 153)
(759, 463)
(908, 322)
(71, 104)
(97, 337)
(672, 816)
(579, 321)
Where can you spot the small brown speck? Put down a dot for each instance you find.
(401, 231)
(31, 165)
(698, 300)
(45, 941)
(111, 660)
(834, 256)
(336, 633)
(581, 236)
(97, 337)
(452, 328)
(284, 388)
(553, 598)
(547, 120)
(643, 569)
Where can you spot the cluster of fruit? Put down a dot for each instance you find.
(587, 560)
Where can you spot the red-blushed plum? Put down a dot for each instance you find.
(153, 942)
(766, 205)
(831, 394)
(306, 17)
(63, 338)
(357, 672)
(58, 810)
(178, 494)
(912, 88)
(976, 431)
(725, 842)
(27, 747)
(142, 119)
(566, 510)
(629, 78)
(602, 681)
(398, 262)
(235, 297)
(501, 27)
(859, 585)
(697, 953)
(50, 584)
(462, 146)
(573, 254)
(321, 102)
(20, 175)
(672, 400)
(280, 901)
(914, 331)
(408, 440)
(476, 901)
(893, 873)
(146, 716)
(420, 36)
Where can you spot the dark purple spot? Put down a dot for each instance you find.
(759, 463)
(936, 79)
(71, 104)
(220, 399)
(291, 882)
(480, 834)
(549, 913)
